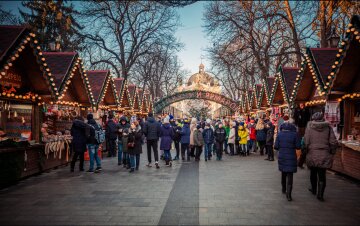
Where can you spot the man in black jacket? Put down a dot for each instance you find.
(80, 132)
(122, 126)
(152, 133)
(111, 136)
(177, 137)
(220, 136)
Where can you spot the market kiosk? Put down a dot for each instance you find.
(25, 85)
(74, 100)
(343, 103)
(125, 99)
(278, 98)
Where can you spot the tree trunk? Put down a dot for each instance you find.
(294, 32)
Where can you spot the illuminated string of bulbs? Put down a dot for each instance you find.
(350, 95)
(30, 39)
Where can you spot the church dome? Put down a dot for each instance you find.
(201, 77)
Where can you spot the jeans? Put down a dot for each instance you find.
(167, 155)
(251, 145)
(208, 148)
(93, 154)
(126, 158)
(185, 148)
(152, 144)
(134, 158)
(243, 148)
(120, 150)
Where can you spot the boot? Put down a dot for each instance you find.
(321, 189)
(288, 193)
(283, 186)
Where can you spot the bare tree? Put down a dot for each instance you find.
(7, 17)
(121, 32)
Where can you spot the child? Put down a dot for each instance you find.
(243, 134)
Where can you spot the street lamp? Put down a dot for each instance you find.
(54, 45)
(334, 39)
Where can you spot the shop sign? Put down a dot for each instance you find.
(197, 94)
(11, 79)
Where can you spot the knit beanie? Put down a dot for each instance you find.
(317, 116)
(90, 116)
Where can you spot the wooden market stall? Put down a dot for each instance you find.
(268, 87)
(287, 79)
(278, 98)
(74, 100)
(343, 102)
(104, 91)
(25, 84)
(125, 99)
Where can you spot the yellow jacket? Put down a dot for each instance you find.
(243, 135)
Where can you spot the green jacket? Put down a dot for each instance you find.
(227, 130)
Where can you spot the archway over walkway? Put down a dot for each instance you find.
(197, 94)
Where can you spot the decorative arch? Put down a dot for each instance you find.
(197, 94)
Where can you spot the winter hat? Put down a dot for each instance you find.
(166, 120)
(208, 120)
(241, 123)
(252, 120)
(90, 116)
(186, 120)
(207, 124)
(286, 118)
(171, 117)
(198, 126)
(317, 116)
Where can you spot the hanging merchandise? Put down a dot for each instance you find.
(332, 112)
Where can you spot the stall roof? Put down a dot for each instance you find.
(277, 96)
(125, 100)
(60, 64)
(288, 78)
(345, 75)
(70, 78)
(321, 60)
(103, 87)
(18, 42)
(259, 94)
(269, 84)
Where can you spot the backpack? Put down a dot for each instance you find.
(99, 134)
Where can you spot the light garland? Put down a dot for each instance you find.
(29, 96)
(30, 40)
(350, 95)
(315, 102)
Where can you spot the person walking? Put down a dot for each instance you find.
(198, 142)
(243, 134)
(208, 134)
(192, 129)
(152, 133)
(227, 130)
(270, 141)
(261, 135)
(320, 145)
(231, 139)
(252, 135)
(166, 134)
(123, 124)
(93, 144)
(220, 136)
(111, 134)
(286, 143)
(80, 132)
(135, 145)
(185, 140)
(177, 137)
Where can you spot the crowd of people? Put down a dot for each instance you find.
(242, 137)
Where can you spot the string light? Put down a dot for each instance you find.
(350, 95)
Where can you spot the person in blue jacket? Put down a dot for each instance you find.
(167, 136)
(286, 143)
(185, 140)
(208, 134)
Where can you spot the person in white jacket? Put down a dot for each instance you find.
(231, 139)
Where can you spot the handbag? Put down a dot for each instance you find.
(131, 145)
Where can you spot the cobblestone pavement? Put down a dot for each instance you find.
(234, 191)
